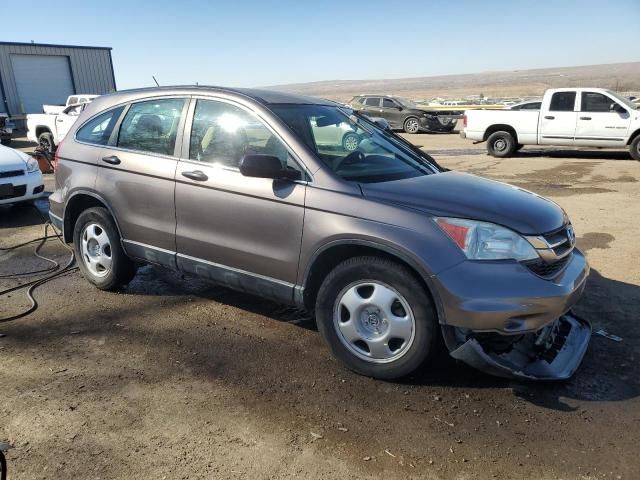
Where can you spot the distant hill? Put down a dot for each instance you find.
(617, 76)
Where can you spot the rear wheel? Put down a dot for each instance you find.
(99, 253)
(634, 148)
(377, 317)
(45, 141)
(501, 144)
(350, 142)
(411, 125)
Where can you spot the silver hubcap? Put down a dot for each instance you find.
(500, 145)
(96, 250)
(351, 143)
(374, 321)
(412, 126)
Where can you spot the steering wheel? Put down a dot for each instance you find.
(353, 157)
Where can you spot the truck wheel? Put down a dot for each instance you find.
(411, 125)
(634, 148)
(45, 140)
(501, 144)
(99, 253)
(5, 141)
(377, 318)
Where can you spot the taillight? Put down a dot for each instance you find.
(464, 120)
(55, 158)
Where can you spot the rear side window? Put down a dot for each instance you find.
(152, 126)
(98, 130)
(595, 102)
(372, 101)
(563, 102)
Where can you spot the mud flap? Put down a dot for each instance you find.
(527, 360)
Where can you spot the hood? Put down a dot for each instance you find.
(11, 159)
(462, 195)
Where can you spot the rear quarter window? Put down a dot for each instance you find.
(98, 130)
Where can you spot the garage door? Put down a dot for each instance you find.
(42, 79)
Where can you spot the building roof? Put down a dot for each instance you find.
(29, 44)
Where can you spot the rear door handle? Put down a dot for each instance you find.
(585, 118)
(549, 117)
(197, 175)
(112, 159)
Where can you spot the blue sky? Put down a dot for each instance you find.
(257, 43)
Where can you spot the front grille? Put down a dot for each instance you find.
(559, 241)
(18, 191)
(11, 173)
(547, 270)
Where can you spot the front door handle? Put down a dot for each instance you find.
(197, 175)
(112, 159)
(585, 118)
(549, 117)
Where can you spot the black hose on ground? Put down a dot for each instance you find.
(50, 273)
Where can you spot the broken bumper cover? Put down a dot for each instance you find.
(553, 353)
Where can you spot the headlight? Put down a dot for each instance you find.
(32, 165)
(486, 241)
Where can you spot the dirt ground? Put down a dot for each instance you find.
(175, 378)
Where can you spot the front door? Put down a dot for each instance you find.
(240, 231)
(602, 121)
(137, 177)
(392, 112)
(558, 122)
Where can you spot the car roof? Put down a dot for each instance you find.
(264, 96)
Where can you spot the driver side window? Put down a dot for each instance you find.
(223, 133)
(595, 102)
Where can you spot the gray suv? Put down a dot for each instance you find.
(394, 255)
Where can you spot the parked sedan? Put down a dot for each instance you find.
(20, 177)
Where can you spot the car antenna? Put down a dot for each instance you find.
(154, 79)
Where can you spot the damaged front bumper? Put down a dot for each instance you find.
(552, 353)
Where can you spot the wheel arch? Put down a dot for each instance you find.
(40, 129)
(498, 128)
(77, 203)
(633, 136)
(327, 257)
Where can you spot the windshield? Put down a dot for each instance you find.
(406, 102)
(351, 147)
(623, 100)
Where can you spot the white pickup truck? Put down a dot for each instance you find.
(49, 130)
(581, 117)
(71, 100)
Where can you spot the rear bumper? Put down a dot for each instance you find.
(506, 297)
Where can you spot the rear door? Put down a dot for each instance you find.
(372, 106)
(558, 119)
(137, 176)
(240, 231)
(602, 121)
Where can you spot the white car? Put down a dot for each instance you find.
(20, 177)
(49, 130)
(333, 134)
(581, 117)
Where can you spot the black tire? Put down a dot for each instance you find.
(350, 141)
(426, 336)
(519, 147)
(634, 148)
(5, 141)
(411, 125)
(501, 144)
(45, 141)
(122, 269)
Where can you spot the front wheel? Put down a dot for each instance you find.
(377, 317)
(634, 148)
(501, 144)
(411, 125)
(99, 253)
(350, 142)
(45, 141)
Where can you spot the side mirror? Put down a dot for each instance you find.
(614, 107)
(266, 166)
(399, 108)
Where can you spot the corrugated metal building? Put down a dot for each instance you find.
(33, 74)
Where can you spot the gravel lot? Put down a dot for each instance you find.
(177, 378)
